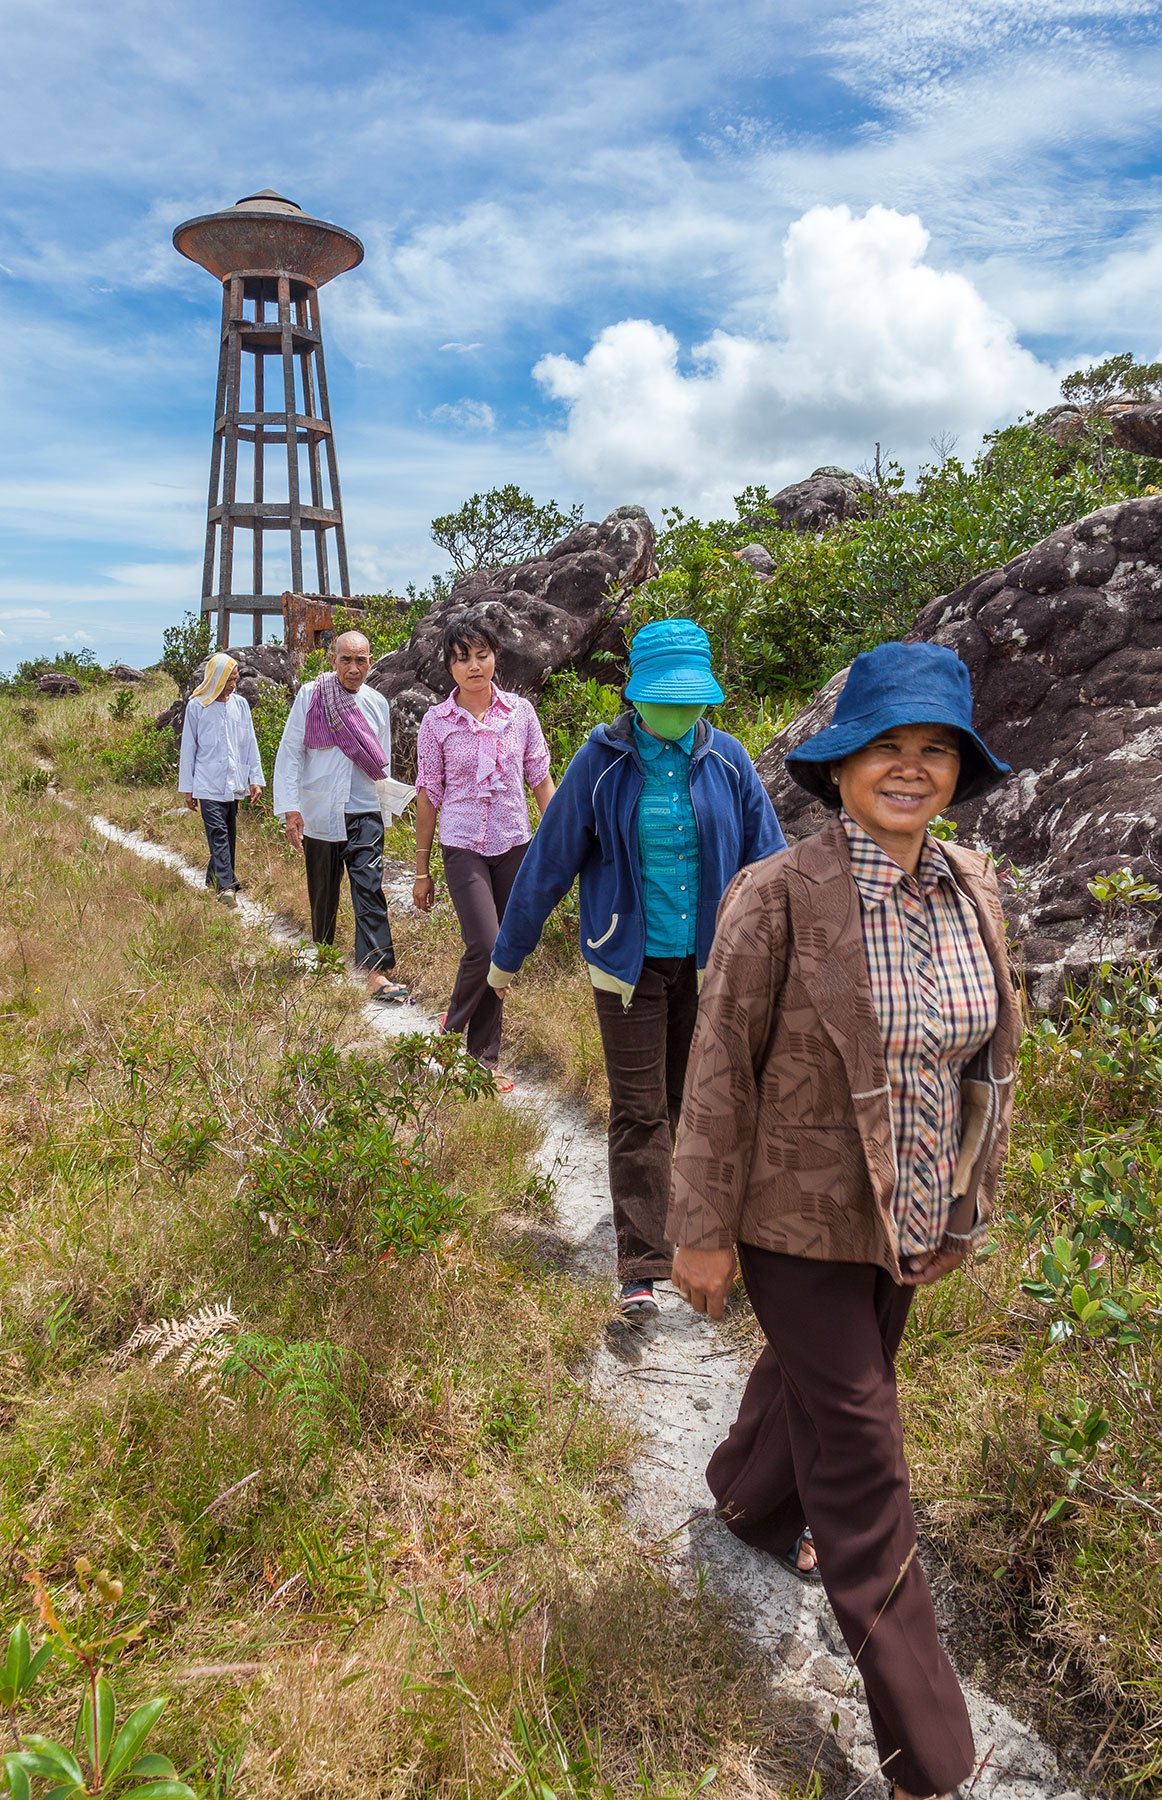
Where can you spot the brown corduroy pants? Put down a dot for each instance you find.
(818, 1440)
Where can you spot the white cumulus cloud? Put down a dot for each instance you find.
(862, 341)
(466, 415)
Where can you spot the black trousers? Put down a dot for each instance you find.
(818, 1438)
(647, 1047)
(480, 887)
(220, 821)
(362, 857)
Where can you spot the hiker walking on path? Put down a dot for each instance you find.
(475, 753)
(844, 1124)
(656, 813)
(219, 763)
(335, 746)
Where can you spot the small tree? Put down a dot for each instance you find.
(503, 526)
(1118, 377)
(184, 646)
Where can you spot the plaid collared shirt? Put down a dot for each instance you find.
(935, 996)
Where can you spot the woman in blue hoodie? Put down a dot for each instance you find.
(656, 813)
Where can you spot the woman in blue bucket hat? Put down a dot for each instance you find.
(845, 1120)
(656, 813)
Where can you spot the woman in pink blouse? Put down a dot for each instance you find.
(475, 752)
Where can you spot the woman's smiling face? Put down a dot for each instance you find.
(896, 785)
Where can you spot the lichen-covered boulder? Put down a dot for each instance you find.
(1065, 648)
(553, 612)
(1139, 428)
(56, 686)
(125, 672)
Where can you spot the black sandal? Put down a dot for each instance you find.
(790, 1558)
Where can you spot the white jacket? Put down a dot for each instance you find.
(219, 755)
(325, 785)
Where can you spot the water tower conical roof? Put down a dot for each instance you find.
(266, 234)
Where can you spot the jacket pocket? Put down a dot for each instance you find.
(596, 943)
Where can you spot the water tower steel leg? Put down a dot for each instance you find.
(216, 461)
(259, 478)
(332, 461)
(311, 407)
(230, 460)
(295, 512)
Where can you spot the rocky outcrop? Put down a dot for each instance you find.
(827, 497)
(560, 610)
(1139, 428)
(57, 686)
(1065, 648)
(125, 672)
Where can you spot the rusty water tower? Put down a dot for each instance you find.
(271, 258)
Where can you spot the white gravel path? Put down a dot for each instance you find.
(679, 1384)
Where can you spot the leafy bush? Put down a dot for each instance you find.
(503, 526)
(184, 646)
(568, 710)
(349, 1165)
(148, 757)
(269, 715)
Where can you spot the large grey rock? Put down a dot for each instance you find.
(1139, 428)
(553, 612)
(56, 686)
(821, 501)
(1065, 648)
(125, 672)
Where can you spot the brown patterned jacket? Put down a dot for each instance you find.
(786, 1139)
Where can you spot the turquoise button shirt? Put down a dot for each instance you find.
(668, 844)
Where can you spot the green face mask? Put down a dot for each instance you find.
(669, 722)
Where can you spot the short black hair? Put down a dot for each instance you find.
(466, 631)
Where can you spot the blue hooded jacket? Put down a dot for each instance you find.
(590, 829)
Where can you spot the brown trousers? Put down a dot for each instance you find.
(818, 1438)
(479, 887)
(647, 1047)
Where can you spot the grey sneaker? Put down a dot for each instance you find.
(227, 896)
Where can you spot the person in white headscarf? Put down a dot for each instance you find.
(220, 763)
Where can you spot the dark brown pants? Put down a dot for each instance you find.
(479, 887)
(647, 1047)
(818, 1438)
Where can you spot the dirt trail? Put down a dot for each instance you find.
(679, 1384)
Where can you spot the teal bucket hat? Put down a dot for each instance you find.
(669, 665)
(898, 684)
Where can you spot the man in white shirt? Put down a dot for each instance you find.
(330, 808)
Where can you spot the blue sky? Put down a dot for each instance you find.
(614, 253)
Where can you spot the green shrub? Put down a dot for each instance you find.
(148, 757)
(270, 715)
(569, 708)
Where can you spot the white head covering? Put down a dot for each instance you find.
(218, 672)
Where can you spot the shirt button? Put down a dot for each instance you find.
(683, 915)
(682, 889)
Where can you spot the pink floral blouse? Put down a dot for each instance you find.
(474, 771)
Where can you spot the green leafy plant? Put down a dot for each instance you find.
(106, 1759)
(123, 704)
(350, 1163)
(184, 646)
(148, 757)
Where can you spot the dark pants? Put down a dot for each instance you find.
(220, 819)
(480, 887)
(362, 856)
(818, 1437)
(647, 1047)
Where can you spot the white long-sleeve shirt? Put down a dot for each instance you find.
(219, 755)
(324, 785)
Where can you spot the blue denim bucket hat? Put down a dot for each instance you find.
(898, 684)
(669, 664)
